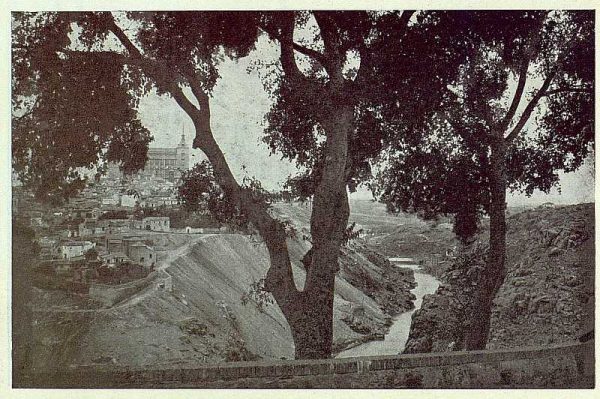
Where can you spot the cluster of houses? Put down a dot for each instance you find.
(84, 242)
(95, 236)
(110, 259)
(94, 227)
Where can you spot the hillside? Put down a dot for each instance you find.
(204, 318)
(548, 293)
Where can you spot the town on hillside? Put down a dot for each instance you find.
(106, 234)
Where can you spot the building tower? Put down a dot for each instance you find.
(183, 153)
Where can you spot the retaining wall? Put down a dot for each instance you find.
(561, 366)
(111, 294)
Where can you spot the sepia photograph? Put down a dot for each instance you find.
(302, 199)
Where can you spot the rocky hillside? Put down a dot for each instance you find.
(547, 296)
(360, 265)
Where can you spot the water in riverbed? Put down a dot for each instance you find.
(397, 336)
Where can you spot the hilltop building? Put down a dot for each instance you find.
(75, 249)
(153, 223)
(168, 163)
(164, 163)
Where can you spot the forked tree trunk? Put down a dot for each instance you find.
(492, 277)
(309, 312)
(312, 319)
(311, 322)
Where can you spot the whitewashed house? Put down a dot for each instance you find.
(74, 249)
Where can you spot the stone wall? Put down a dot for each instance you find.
(108, 295)
(562, 366)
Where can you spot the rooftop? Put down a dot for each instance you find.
(76, 243)
(114, 255)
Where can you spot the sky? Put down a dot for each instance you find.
(239, 104)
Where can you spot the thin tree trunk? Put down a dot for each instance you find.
(492, 277)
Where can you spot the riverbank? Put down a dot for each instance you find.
(393, 341)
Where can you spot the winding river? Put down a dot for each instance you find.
(396, 338)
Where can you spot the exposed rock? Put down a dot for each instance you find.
(522, 270)
(193, 326)
(555, 251)
(547, 296)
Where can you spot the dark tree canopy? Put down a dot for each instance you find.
(75, 93)
(399, 84)
(443, 166)
(71, 70)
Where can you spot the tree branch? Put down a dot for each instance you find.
(316, 55)
(159, 70)
(201, 96)
(333, 59)
(523, 68)
(309, 52)
(570, 90)
(530, 107)
(182, 100)
(405, 18)
(152, 67)
(286, 43)
(123, 38)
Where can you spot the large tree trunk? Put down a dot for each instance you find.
(308, 312)
(312, 320)
(312, 323)
(493, 276)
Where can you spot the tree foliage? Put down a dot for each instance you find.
(399, 84)
(445, 170)
(75, 93)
